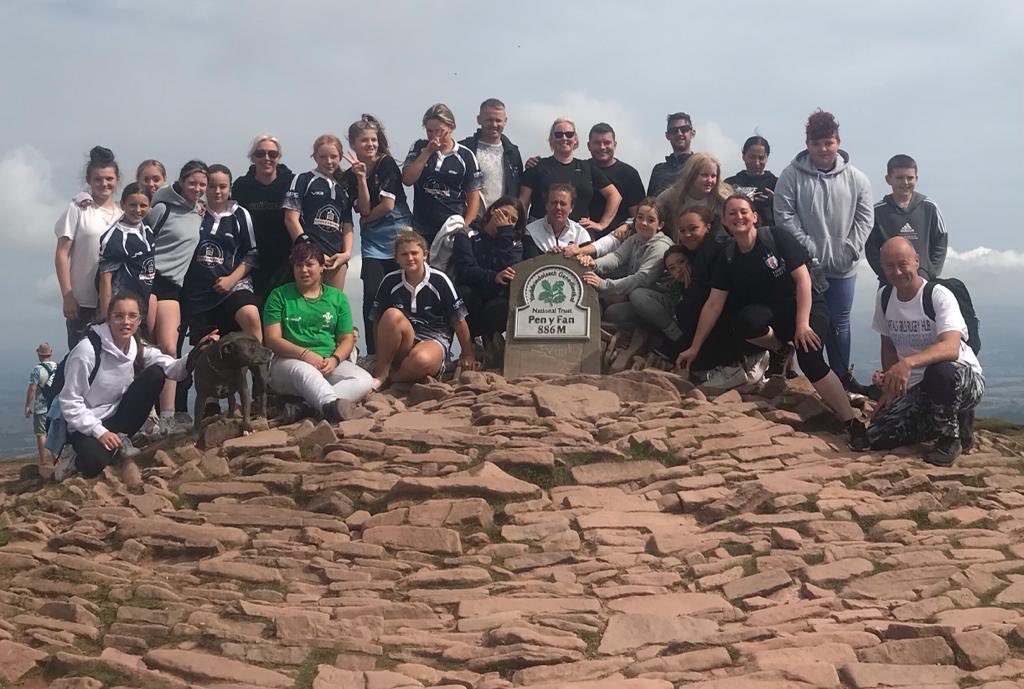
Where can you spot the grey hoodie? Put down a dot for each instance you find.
(830, 213)
(639, 264)
(177, 237)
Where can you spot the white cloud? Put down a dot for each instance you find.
(30, 203)
(983, 257)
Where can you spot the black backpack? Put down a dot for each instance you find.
(963, 299)
(56, 380)
(766, 234)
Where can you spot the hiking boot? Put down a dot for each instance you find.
(777, 361)
(338, 410)
(965, 420)
(858, 436)
(66, 464)
(944, 453)
(127, 449)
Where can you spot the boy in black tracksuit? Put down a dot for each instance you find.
(908, 214)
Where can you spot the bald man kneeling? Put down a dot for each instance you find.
(930, 378)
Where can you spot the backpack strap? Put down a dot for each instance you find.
(764, 233)
(926, 300)
(97, 348)
(886, 296)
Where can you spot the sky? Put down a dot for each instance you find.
(199, 79)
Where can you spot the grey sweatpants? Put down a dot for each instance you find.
(931, 409)
(647, 308)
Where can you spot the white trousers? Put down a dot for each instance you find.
(294, 377)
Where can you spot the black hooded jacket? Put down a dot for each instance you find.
(513, 161)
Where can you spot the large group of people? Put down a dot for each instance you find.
(718, 270)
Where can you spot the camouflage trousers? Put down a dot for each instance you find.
(931, 409)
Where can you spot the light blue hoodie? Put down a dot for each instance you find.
(831, 213)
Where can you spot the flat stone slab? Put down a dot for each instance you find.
(496, 604)
(137, 527)
(211, 667)
(613, 473)
(486, 480)
(628, 632)
(423, 538)
(671, 604)
(17, 659)
(870, 675)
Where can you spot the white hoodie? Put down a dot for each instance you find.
(831, 213)
(84, 406)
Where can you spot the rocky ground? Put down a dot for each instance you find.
(597, 532)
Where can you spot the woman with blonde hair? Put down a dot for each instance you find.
(261, 191)
(700, 184)
(444, 174)
(562, 167)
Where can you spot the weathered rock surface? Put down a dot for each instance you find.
(588, 532)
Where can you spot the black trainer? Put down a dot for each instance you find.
(965, 420)
(338, 410)
(944, 453)
(858, 436)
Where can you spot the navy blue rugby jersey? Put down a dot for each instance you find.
(324, 208)
(444, 186)
(127, 252)
(226, 240)
(433, 307)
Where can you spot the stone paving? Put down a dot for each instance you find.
(593, 532)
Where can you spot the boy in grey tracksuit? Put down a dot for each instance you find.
(908, 214)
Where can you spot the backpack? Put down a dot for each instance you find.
(767, 237)
(963, 300)
(55, 383)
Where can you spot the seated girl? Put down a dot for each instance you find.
(484, 266)
(415, 313)
(126, 256)
(218, 292)
(308, 326)
(764, 273)
(106, 399)
(635, 272)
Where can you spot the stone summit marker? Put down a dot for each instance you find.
(554, 321)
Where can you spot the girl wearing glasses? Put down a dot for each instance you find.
(563, 168)
(112, 379)
(261, 192)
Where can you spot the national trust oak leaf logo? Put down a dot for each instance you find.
(552, 292)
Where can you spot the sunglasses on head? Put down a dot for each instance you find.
(682, 129)
(563, 135)
(265, 153)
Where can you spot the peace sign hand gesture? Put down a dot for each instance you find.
(359, 168)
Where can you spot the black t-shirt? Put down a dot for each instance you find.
(588, 180)
(226, 240)
(263, 201)
(127, 252)
(627, 180)
(760, 276)
(444, 186)
(747, 184)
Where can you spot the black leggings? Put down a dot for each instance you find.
(487, 315)
(131, 413)
(753, 320)
(372, 273)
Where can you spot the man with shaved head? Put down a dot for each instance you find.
(931, 380)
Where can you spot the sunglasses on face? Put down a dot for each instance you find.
(265, 153)
(682, 129)
(563, 135)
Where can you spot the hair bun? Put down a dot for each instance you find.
(100, 154)
(367, 117)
